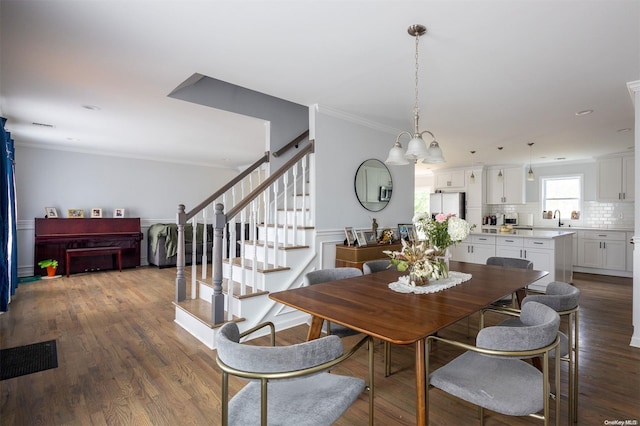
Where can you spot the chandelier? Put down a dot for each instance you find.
(417, 148)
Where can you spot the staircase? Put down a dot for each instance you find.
(263, 242)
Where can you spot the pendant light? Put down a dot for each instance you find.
(472, 178)
(530, 175)
(417, 148)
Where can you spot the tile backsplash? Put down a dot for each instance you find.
(593, 215)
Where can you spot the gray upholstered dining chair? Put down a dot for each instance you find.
(564, 299)
(494, 374)
(288, 385)
(376, 266)
(371, 267)
(332, 274)
(509, 262)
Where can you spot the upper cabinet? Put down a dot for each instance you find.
(616, 179)
(505, 185)
(450, 179)
(474, 188)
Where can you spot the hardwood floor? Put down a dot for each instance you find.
(122, 360)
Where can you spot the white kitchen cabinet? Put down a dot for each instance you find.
(602, 250)
(616, 179)
(630, 245)
(541, 252)
(474, 217)
(474, 189)
(505, 189)
(475, 249)
(450, 179)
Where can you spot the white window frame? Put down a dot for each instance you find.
(543, 195)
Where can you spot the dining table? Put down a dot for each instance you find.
(367, 304)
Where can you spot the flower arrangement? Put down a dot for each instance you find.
(442, 231)
(421, 262)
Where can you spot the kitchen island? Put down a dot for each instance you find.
(549, 250)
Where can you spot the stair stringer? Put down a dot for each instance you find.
(255, 309)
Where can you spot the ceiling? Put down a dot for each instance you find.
(492, 73)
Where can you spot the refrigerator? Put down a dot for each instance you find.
(448, 202)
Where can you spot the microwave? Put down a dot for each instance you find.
(511, 219)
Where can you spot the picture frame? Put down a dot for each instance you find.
(51, 212)
(96, 212)
(407, 232)
(362, 239)
(118, 213)
(371, 238)
(350, 233)
(75, 213)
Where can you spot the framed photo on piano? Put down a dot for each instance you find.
(51, 212)
(118, 213)
(96, 212)
(75, 213)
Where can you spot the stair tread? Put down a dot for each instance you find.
(271, 225)
(201, 310)
(249, 290)
(249, 265)
(281, 246)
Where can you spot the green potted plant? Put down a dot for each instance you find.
(51, 266)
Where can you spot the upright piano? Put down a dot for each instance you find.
(54, 236)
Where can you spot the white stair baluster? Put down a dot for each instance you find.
(275, 224)
(243, 275)
(194, 247)
(285, 222)
(205, 256)
(304, 199)
(294, 203)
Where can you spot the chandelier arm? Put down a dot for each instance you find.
(403, 133)
(426, 131)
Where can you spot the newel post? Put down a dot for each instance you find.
(217, 299)
(181, 283)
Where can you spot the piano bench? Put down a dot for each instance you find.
(93, 251)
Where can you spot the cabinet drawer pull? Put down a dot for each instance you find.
(537, 242)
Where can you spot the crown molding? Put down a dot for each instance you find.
(333, 112)
(633, 86)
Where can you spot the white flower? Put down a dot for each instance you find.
(458, 229)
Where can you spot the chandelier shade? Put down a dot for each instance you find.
(416, 148)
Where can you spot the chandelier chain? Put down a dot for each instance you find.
(415, 106)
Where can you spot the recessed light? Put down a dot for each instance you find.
(91, 107)
(584, 112)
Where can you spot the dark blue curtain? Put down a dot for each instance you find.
(8, 212)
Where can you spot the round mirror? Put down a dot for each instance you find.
(373, 185)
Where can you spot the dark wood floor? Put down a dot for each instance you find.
(122, 359)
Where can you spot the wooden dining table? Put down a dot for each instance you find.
(367, 304)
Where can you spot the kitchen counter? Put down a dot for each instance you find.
(563, 228)
(535, 233)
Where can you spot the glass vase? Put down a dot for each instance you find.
(418, 280)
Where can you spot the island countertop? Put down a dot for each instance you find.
(549, 234)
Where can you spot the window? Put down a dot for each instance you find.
(562, 193)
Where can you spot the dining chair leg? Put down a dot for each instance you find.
(387, 359)
(371, 386)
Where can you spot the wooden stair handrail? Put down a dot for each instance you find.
(267, 182)
(294, 142)
(228, 186)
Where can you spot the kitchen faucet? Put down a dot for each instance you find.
(554, 216)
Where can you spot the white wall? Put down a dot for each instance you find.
(147, 189)
(634, 90)
(341, 146)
